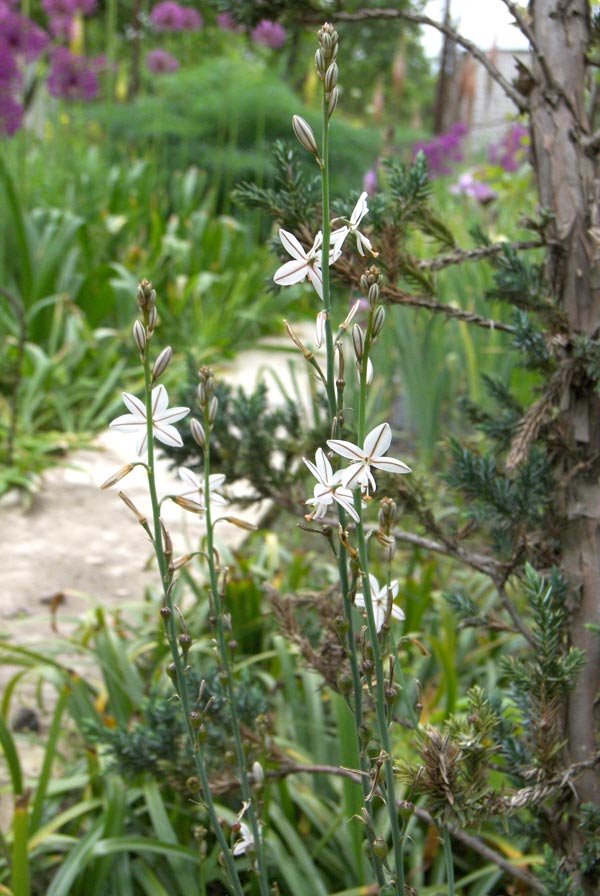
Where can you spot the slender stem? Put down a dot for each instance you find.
(325, 263)
(180, 677)
(228, 672)
(380, 706)
(448, 860)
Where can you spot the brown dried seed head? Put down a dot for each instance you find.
(116, 477)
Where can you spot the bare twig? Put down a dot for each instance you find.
(462, 255)
(418, 19)
(481, 562)
(399, 297)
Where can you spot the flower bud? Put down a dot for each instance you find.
(332, 102)
(258, 775)
(129, 503)
(331, 77)
(139, 336)
(378, 321)
(373, 294)
(198, 433)
(320, 63)
(146, 296)
(152, 320)
(358, 341)
(304, 133)
(320, 328)
(116, 477)
(162, 362)
(213, 406)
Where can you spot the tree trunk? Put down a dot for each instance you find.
(567, 185)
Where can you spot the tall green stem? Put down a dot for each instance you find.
(228, 672)
(180, 678)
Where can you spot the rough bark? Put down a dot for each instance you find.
(567, 178)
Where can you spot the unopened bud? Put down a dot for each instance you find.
(241, 524)
(331, 77)
(139, 336)
(378, 321)
(116, 477)
(388, 511)
(258, 775)
(152, 320)
(146, 296)
(166, 540)
(162, 362)
(172, 671)
(304, 133)
(373, 294)
(332, 102)
(320, 328)
(213, 407)
(198, 433)
(320, 63)
(358, 341)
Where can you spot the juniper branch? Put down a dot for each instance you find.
(462, 255)
(397, 296)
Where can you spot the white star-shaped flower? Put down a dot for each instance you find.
(162, 419)
(305, 265)
(329, 488)
(196, 492)
(245, 842)
(382, 600)
(370, 455)
(363, 243)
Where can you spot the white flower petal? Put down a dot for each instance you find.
(389, 465)
(346, 449)
(360, 210)
(291, 272)
(292, 245)
(316, 278)
(142, 441)
(133, 404)
(168, 435)
(189, 477)
(323, 466)
(128, 423)
(378, 440)
(170, 416)
(160, 401)
(397, 613)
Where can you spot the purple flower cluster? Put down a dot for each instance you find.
(270, 34)
(21, 40)
(444, 150)
(226, 22)
(512, 150)
(171, 16)
(467, 185)
(71, 76)
(159, 62)
(61, 15)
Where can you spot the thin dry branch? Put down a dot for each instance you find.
(399, 297)
(462, 255)
(419, 19)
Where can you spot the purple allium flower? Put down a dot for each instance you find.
(10, 74)
(62, 27)
(226, 21)
(161, 63)
(370, 183)
(171, 16)
(511, 151)
(11, 115)
(192, 20)
(467, 185)
(442, 150)
(71, 76)
(271, 34)
(22, 36)
(60, 8)
(167, 16)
